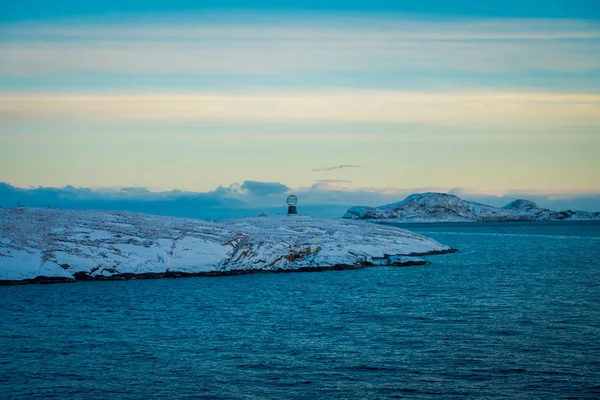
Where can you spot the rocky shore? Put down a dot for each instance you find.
(56, 246)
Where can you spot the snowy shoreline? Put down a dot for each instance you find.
(410, 261)
(54, 246)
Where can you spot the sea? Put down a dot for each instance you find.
(515, 313)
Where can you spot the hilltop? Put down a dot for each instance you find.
(443, 207)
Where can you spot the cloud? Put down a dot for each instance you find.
(338, 167)
(320, 200)
(285, 44)
(332, 184)
(483, 107)
(320, 181)
(264, 188)
(207, 205)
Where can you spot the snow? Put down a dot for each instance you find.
(186, 250)
(66, 243)
(19, 264)
(442, 207)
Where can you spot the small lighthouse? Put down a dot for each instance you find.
(292, 201)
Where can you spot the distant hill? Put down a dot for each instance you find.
(443, 207)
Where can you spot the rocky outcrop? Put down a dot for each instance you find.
(53, 245)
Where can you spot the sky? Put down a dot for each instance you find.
(342, 101)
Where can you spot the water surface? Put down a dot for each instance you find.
(516, 313)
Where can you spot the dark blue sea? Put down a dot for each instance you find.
(514, 314)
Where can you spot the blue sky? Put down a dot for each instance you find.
(26, 9)
(492, 97)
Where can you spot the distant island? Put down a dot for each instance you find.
(52, 245)
(443, 207)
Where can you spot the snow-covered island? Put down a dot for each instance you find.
(51, 245)
(443, 207)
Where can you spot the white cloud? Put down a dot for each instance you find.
(324, 43)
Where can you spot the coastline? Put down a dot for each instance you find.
(84, 277)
